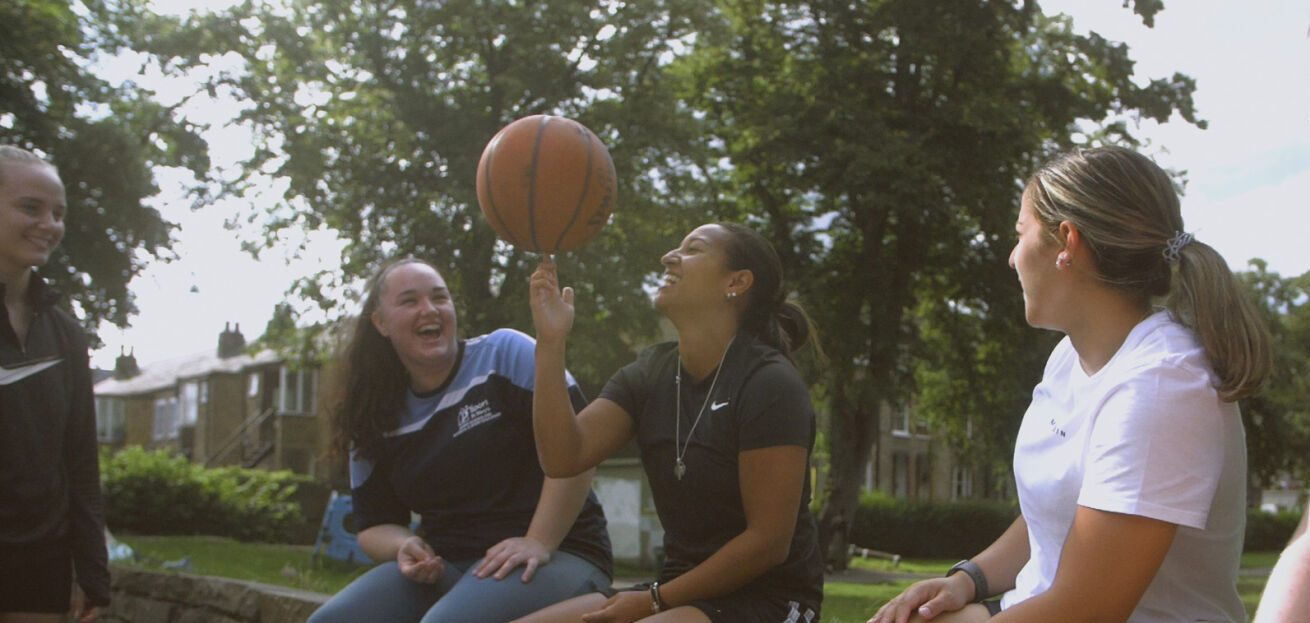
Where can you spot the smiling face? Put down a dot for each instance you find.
(1033, 258)
(32, 206)
(696, 273)
(417, 314)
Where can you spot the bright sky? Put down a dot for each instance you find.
(1247, 193)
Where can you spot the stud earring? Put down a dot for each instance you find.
(1062, 260)
(732, 295)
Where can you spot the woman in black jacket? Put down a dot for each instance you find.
(51, 512)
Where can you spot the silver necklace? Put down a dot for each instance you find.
(680, 468)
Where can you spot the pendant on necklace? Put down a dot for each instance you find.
(679, 468)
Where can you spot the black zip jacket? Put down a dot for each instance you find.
(49, 470)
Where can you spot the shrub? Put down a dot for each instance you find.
(162, 493)
(1269, 532)
(929, 529)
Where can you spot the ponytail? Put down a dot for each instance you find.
(1208, 298)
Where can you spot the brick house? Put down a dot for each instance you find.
(224, 407)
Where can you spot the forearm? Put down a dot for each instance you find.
(1003, 559)
(554, 423)
(1287, 594)
(742, 559)
(382, 542)
(557, 509)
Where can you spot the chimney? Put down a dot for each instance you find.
(230, 342)
(125, 366)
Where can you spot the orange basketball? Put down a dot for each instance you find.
(546, 184)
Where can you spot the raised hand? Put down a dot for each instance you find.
(504, 556)
(418, 562)
(552, 309)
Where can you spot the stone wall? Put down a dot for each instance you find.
(141, 596)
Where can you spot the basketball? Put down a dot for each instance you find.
(546, 184)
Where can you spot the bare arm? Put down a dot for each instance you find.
(1287, 594)
(1000, 563)
(1108, 561)
(1003, 559)
(772, 480)
(382, 542)
(567, 444)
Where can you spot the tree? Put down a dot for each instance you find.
(884, 145)
(1277, 418)
(375, 113)
(105, 139)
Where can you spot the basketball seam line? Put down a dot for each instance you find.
(582, 197)
(491, 194)
(532, 175)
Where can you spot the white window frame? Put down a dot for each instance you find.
(110, 421)
(961, 482)
(165, 417)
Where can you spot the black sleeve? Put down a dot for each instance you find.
(85, 503)
(776, 409)
(374, 501)
(627, 388)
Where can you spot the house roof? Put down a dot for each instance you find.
(166, 373)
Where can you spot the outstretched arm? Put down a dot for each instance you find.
(567, 444)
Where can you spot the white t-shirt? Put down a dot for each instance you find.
(1146, 435)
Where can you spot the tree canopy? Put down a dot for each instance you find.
(881, 145)
(106, 140)
(884, 146)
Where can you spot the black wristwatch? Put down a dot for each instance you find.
(980, 591)
(656, 601)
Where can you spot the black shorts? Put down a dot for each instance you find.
(747, 607)
(36, 578)
(738, 607)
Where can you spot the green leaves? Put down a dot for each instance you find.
(106, 140)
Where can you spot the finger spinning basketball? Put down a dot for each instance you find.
(546, 184)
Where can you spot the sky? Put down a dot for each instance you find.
(1247, 192)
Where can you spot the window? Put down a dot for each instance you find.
(900, 474)
(166, 420)
(252, 384)
(901, 422)
(298, 390)
(961, 483)
(110, 426)
(190, 403)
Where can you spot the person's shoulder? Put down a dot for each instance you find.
(1164, 347)
(505, 336)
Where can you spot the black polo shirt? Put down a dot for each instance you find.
(759, 401)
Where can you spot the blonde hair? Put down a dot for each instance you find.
(9, 153)
(1126, 208)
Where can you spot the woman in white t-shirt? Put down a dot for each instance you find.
(1131, 460)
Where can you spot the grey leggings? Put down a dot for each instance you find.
(385, 595)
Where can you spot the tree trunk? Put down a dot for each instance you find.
(849, 444)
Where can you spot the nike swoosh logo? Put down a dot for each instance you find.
(16, 374)
(715, 406)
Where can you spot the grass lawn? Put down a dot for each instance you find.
(294, 566)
